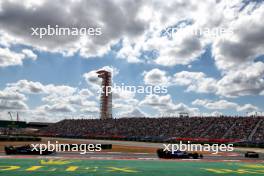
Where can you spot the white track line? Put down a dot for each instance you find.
(232, 160)
(148, 158)
(114, 152)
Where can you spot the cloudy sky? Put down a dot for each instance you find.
(52, 78)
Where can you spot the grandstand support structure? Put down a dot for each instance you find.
(254, 130)
(228, 131)
(106, 94)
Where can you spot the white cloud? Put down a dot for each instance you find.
(165, 106)
(62, 108)
(85, 92)
(185, 47)
(247, 108)
(11, 100)
(180, 51)
(116, 19)
(244, 45)
(156, 77)
(9, 95)
(10, 58)
(223, 105)
(195, 81)
(56, 99)
(31, 87)
(138, 24)
(29, 54)
(135, 112)
(245, 81)
(74, 99)
(129, 52)
(127, 106)
(26, 86)
(12, 105)
(90, 110)
(92, 78)
(156, 100)
(122, 94)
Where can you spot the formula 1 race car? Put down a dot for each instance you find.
(25, 150)
(178, 154)
(250, 154)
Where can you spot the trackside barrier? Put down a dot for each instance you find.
(159, 139)
(19, 138)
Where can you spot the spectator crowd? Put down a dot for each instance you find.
(186, 127)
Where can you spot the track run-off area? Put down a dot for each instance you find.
(128, 158)
(48, 166)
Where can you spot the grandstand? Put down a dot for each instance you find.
(11, 127)
(12, 124)
(161, 129)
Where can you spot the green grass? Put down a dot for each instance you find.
(36, 167)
